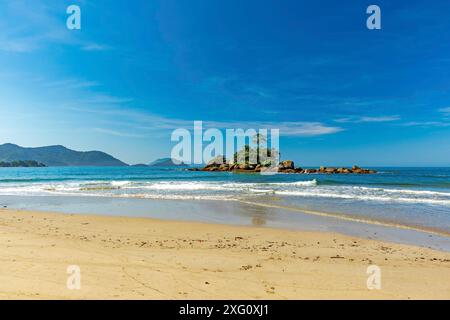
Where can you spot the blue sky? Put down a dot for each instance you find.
(341, 94)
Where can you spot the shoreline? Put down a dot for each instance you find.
(236, 213)
(353, 218)
(143, 258)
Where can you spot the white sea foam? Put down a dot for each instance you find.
(364, 197)
(219, 190)
(181, 186)
(406, 191)
(120, 183)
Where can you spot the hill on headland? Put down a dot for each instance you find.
(166, 162)
(58, 156)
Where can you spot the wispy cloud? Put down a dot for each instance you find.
(445, 110)
(118, 133)
(40, 26)
(368, 119)
(138, 120)
(426, 124)
(72, 84)
(95, 47)
(307, 129)
(287, 128)
(21, 45)
(100, 98)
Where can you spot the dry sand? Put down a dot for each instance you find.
(132, 258)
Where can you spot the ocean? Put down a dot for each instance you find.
(415, 197)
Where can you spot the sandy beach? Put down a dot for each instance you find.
(140, 258)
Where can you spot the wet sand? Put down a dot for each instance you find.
(233, 213)
(141, 258)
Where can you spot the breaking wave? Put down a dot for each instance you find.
(222, 190)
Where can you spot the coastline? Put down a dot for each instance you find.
(142, 258)
(353, 218)
(239, 213)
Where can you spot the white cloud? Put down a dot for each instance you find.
(426, 124)
(307, 129)
(107, 99)
(368, 119)
(287, 128)
(95, 47)
(150, 122)
(40, 26)
(18, 45)
(445, 110)
(72, 84)
(380, 119)
(118, 133)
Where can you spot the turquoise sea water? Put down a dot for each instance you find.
(410, 196)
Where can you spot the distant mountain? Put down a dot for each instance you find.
(58, 156)
(139, 165)
(166, 162)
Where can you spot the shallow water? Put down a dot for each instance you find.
(227, 212)
(418, 197)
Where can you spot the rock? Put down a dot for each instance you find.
(270, 169)
(244, 167)
(266, 163)
(288, 164)
(211, 168)
(364, 171)
(217, 161)
(284, 167)
(343, 170)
